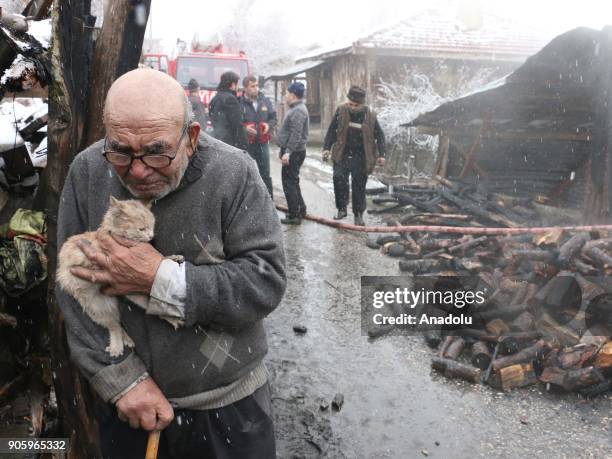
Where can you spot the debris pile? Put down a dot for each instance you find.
(547, 315)
(27, 399)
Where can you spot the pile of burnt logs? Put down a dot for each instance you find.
(547, 315)
(454, 204)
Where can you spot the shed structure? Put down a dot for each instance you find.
(543, 132)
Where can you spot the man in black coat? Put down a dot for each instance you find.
(225, 114)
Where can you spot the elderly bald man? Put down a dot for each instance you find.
(204, 383)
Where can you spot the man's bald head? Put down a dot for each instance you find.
(147, 113)
(145, 95)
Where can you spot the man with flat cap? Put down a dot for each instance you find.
(356, 143)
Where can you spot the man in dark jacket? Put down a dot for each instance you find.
(224, 111)
(354, 137)
(198, 107)
(259, 118)
(292, 139)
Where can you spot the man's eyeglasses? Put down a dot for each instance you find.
(155, 161)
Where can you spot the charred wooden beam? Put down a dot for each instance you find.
(481, 355)
(571, 247)
(423, 266)
(572, 379)
(599, 256)
(475, 209)
(514, 376)
(604, 356)
(455, 348)
(452, 369)
(527, 355)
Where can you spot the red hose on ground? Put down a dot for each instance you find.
(445, 229)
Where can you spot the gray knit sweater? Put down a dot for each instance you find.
(293, 134)
(221, 210)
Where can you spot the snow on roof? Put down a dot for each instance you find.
(432, 32)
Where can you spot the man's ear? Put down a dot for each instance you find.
(194, 135)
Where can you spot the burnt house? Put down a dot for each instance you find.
(543, 132)
(446, 48)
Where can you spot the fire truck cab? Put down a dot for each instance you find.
(156, 62)
(205, 64)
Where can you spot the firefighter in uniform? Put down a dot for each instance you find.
(259, 118)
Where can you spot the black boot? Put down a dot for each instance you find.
(359, 219)
(341, 214)
(289, 220)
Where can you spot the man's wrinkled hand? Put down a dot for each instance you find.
(266, 128)
(285, 159)
(124, 267)
(325, 155)
(144, 406)
(251, 130)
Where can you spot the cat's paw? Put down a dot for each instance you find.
(115, 349)
(127, 341)
(176, 323)
(178, 258)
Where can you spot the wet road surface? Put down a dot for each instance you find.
(395, 407)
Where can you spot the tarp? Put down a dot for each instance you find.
(23, 263)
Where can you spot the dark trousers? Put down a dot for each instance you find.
(261, 154)
(353, 165)
(241, 430)
(291, 184)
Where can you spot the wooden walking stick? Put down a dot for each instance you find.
(152, 444)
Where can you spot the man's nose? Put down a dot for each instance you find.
(139, 170)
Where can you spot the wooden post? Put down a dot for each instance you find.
(72, 25)
(441, 166)
(69, 120)
(599, 195)
(117, 51)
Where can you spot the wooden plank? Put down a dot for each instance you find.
(479, 170)
(442, 163)
(470, 159)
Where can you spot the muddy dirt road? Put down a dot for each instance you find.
(395, 407)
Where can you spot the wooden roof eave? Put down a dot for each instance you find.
(505, 135)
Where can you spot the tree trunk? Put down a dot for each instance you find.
(71, 65)
(72, 50)
(117, 51)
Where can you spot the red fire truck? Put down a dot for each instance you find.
(205, 64)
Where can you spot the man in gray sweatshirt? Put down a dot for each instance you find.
(204, 383)
(292, 139)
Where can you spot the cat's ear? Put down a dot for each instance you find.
(148, 203)
(114, 201)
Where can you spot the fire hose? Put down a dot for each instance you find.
(446, 229)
